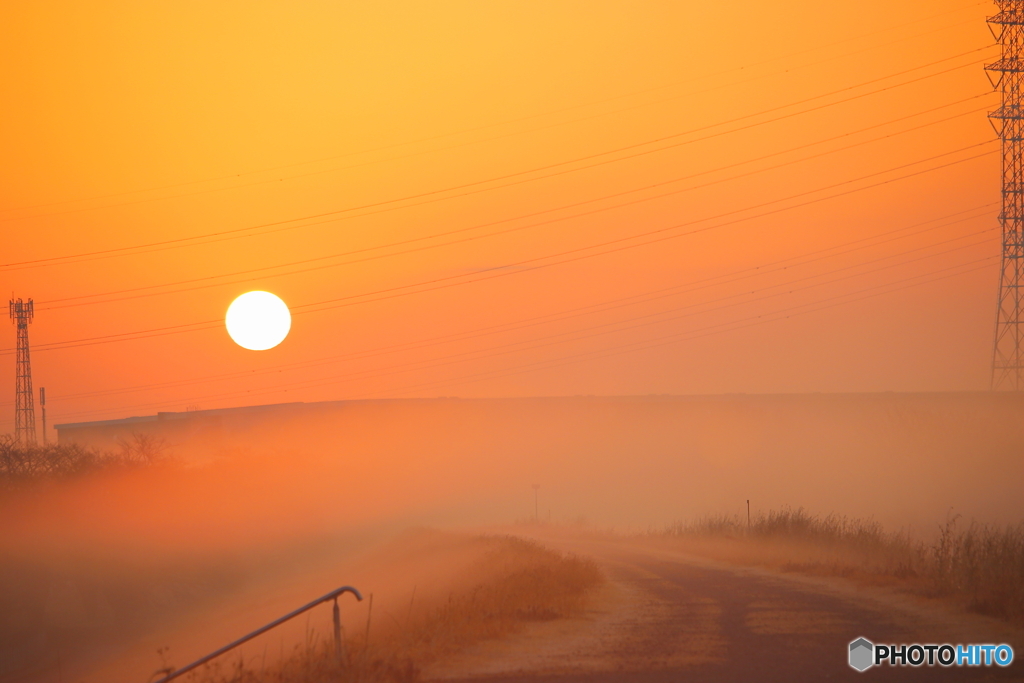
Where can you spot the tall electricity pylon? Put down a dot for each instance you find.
(24, 403)
(1008, 354)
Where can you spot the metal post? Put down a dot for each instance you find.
(42, 407)
(338, 646)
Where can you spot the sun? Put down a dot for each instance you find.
(258, 320)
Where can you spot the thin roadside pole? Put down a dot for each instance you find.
(369, 614)
(339, 651)
(748, 516)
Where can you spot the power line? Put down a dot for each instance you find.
(154, 246)
(751, 321)
(902, 38)
(421, 153)
(574, 254)
(616, 326)
(719, 328)
(134, 291)
(568, 256)
(645, 297)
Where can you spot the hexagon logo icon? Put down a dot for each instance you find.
(862, 653)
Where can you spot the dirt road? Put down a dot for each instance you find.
(665, 616)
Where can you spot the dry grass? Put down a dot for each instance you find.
(976, 565)
(516, 582)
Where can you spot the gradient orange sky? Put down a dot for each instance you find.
(807, 192)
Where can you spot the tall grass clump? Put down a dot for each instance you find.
(979, 566)
(835, 531)
(984, 564)
(518, 582)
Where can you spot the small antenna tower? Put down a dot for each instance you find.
(24, 403)
(1008, 354)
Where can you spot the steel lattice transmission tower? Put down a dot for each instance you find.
(1008, 354)
(24, 403)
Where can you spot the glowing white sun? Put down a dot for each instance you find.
(258, 321)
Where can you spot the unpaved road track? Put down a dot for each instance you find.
(668, 617)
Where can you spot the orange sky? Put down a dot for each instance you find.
(532, 128)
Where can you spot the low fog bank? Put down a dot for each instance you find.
(238, 515)
(902, 459)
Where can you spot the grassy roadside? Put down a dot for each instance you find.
(978, 567)
(514, 582)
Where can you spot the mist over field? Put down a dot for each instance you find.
(904, 459)
(308, 496)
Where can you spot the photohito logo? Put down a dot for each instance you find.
(864, 654)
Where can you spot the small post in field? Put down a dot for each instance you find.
(369, 613)
(339, 648)
(42, 405)
(748, 516)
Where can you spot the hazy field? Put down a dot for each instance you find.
(102, 570)
(903, 459)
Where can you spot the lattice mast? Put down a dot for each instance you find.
(24, 403)
(1008, 353)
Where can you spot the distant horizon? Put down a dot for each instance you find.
(989, 392)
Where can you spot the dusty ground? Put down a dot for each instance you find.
(666, 616)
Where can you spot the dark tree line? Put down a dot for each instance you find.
(22, 465)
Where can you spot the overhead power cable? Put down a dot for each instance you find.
(751, 321)
(644, 320)
(591, 309)
(631, 94)
(617, 245)
(213, 280)
(521, 176)
(528, 265)
(718, 328)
